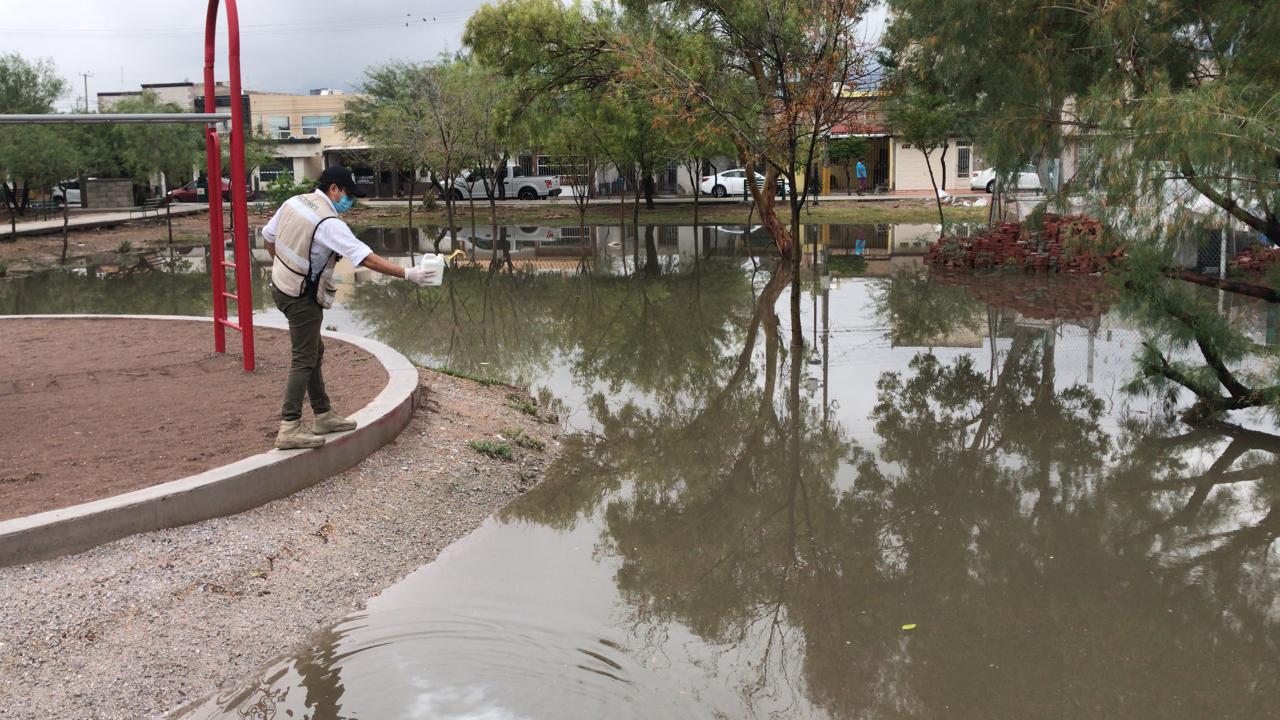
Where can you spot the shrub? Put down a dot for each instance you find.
(499, 451)
(283, 188)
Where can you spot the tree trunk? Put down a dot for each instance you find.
(648, 189)
(943, 162)
(493, 226)
(1268, 225)
(66, 238)
(942, 222)
(453, 231)
(472, 201)
(651, 265)
(635, 222)
(411, 247)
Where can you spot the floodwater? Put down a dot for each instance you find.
(942, 502)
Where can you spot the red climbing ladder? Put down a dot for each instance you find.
(243, 295)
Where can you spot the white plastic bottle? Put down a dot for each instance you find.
(434, 262)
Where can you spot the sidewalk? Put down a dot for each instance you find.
(97, 219)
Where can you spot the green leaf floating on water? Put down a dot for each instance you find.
(909, 626)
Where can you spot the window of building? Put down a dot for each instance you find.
(311, 124)
(964, 158)
(278, 127)
(274, 169)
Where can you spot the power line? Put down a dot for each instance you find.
(251, 30)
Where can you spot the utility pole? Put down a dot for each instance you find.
(86, 75)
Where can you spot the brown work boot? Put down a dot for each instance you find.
(332, 422)
(294, 435)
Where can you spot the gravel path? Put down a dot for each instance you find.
(144, 625)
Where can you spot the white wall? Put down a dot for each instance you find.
(910, 172)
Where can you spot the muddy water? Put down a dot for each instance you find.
(942, 504)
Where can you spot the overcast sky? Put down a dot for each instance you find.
(285, 45)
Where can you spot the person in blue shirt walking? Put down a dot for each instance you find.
(861, 171)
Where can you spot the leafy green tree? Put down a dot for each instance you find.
(846, 152)
(581, 137)
(551, 48)
(142, 150)
(1184, 324)
(775, 78)
(1173, 101)
(926, 121)
(28, 154)
(409, 112)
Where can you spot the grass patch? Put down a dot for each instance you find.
(465, 376)
(496, 450)
(525, 441)
(523, 404)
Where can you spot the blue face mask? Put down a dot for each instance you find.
(344, 204)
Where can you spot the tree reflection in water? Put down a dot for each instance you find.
(1050, 569)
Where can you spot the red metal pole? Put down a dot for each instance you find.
(239, 199)
(213, 189)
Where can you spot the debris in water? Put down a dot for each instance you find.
(909, 626)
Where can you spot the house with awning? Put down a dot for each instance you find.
(892, 164)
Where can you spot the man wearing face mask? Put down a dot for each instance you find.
(305, 239)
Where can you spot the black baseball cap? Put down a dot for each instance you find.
(339, 175)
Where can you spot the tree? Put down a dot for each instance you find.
(580, 138)
(145, 149)
(1167, 97)
(1182, 324)
(27, 87)
(409, 112)
(38, 156)
(926, 121)
(773, 76)
(845, 152)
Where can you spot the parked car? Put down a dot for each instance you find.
(732, 182)
(1028, 179)
(67, 191)
(193, 192)
(523, 187)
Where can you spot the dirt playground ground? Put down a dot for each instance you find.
(96, 407)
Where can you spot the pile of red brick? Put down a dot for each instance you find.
(1077, 298)
(1071, 244)
(1255, 260)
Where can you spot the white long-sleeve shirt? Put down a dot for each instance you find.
(332, 235)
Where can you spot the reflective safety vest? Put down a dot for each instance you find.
(291, 273)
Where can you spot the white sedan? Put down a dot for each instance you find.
(1028, 179)
(731, 183)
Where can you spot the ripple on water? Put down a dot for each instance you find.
(481, 663)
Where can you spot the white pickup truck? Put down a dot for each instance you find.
(523, 187)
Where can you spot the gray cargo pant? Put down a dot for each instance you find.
(305, 377)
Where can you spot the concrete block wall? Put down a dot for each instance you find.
(108, 193)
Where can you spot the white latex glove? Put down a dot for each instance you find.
(419, 276)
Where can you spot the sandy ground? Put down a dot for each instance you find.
(147, 624)
(98, 407)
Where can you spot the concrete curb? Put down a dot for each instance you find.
(226, 490)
